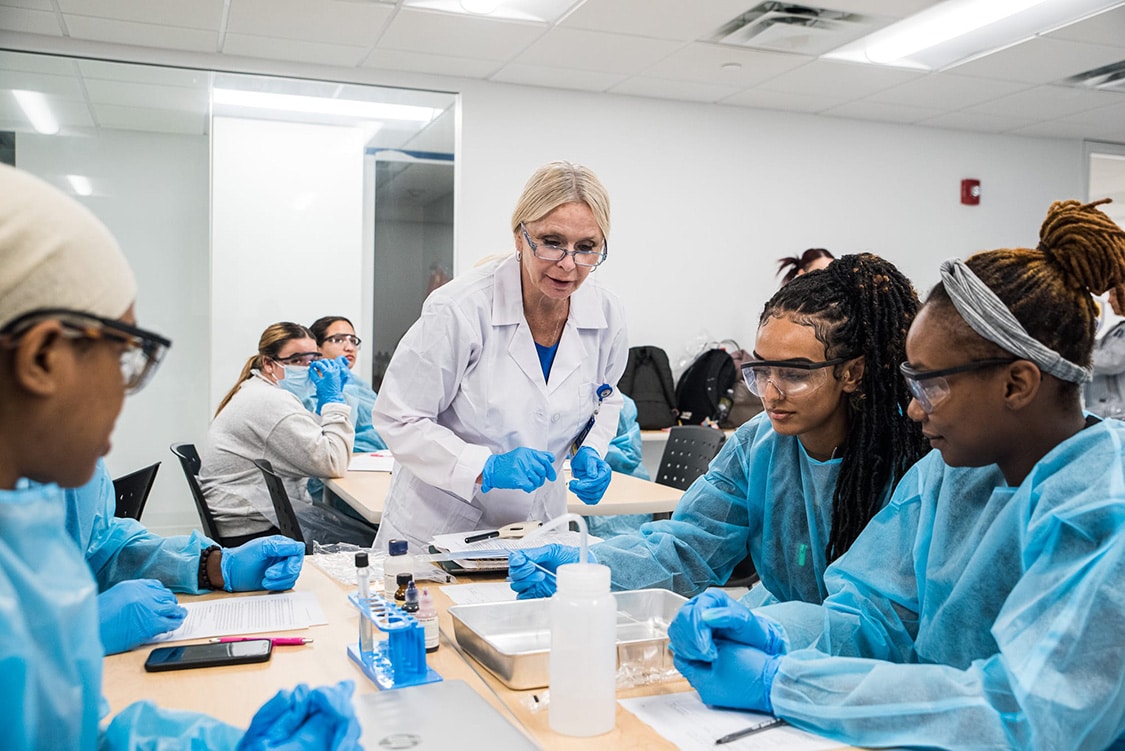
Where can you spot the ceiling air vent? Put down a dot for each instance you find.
(794, 28)
(1105, 78)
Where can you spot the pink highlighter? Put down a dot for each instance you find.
(278, 641)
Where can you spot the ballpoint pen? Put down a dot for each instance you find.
(729, 737)
(482, 536)
(278, 641)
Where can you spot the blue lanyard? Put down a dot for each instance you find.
(603, 391)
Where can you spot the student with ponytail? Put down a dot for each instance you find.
(796, 484)
(982, 608)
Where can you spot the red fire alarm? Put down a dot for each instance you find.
(970, 192)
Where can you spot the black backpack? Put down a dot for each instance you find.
(709, 378)
(648, 381)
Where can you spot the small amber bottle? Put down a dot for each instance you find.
(400, 593)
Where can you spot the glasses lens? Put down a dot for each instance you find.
(300, 358)
(139, 362)
(344, 339)
(789, 382)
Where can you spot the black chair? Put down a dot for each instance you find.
(282, 506)
(132, 491)
(690, 448)
(189, 460)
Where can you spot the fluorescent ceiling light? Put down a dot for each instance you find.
(955, 31)
(34, 105)
(536, 11)
(81, 184)
(483, 7)
(323, 106)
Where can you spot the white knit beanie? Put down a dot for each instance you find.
(54, 253)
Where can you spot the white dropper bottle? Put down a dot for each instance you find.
(583, 661)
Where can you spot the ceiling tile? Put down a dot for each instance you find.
(1114, 115)
(291, 49)
(477, 38)
(683, 20)
(1052, 129)
(594, 50)
(142, 34)
(1040, 60)
(890, 113)
(22, 61)
(352, 24)
(197, 14)
(133, 94)
(1105, 28)
(48, 84)
(889, 8)
(946, 91)
(1046, 103)
(661, 88)
(150, 119)
(30, 21)
(150, 74)
(975, 121)
(839, 79)
(563, 78)
(429, 63)
(31, 4)
(704, 62)
(782, 100)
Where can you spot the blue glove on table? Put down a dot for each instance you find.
(132, 612)
(272, 563)
(715, 615)
(591, 476)
(304, 720)
(328, 378)
(529, 580)
(520, 469)
(741, 677)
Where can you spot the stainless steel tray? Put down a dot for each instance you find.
(513, 639)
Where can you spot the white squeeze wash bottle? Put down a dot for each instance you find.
(583, 662)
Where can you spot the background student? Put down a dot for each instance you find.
(813, 259)
(982, 608)
(70, 350)
(794, 486)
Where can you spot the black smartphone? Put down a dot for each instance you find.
(208, 655)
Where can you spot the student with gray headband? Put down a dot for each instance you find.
(982, 607)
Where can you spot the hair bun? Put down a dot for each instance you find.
(1086, 244)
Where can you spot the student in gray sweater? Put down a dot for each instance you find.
(259, 420)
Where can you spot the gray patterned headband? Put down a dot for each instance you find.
(987, 315)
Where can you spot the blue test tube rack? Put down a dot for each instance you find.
(399, 659)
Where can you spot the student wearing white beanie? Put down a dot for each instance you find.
(69, 352)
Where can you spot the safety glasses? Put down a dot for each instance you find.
(585, 254)
(141, 351)
(791, 378)
(929, 387)
(298, 358)
(343, 339)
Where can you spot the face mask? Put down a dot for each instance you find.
(296, 380)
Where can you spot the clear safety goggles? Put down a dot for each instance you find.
(141, 350)
(929, 387)
(341, 339)
(298, 358)
(791, 378)
(585, 253)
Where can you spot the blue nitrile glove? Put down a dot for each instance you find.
(740, 678)
(591, 476)
(134, 611)
(529, 580)
(520, 469)
(272, 562)
(304, 720)
(328, 378)
(715, 615)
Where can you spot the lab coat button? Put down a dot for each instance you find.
(555, 417)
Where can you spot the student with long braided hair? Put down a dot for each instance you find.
(796, 484)
(982, 608)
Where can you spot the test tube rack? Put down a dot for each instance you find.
(398, 660)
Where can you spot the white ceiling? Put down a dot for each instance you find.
(650, 48)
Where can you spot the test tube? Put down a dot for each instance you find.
(362, 573)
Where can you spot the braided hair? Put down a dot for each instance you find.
(861, 305)
(1049, 289)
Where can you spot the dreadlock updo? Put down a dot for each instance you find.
(1049, 289)
(861, 305)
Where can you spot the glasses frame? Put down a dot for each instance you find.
(747, 369)
(352, 338)
(602, 255)
(286, 360)
(914, 378)
(152, 346)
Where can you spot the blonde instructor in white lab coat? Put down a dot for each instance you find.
(503, 373)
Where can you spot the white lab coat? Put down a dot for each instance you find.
(465, 382)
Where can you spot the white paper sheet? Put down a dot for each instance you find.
(454, 542)
(691, 725)
(373, 461)
(470, 594)
(235, 616)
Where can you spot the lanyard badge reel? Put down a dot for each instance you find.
(602, 393)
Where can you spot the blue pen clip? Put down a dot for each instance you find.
(602, 393)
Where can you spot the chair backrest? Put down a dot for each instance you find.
(132, 491)
(690, 448)
(189, 460)
(282, 506)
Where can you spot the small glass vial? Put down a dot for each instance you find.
(410, 605)
(403, 580)
(398, 561)
(427, 616)
(362, 574)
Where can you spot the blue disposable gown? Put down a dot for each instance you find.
(623, 455)
(118, 549)
(50, 653)
(974, 615)
(360, 397)
(762, 495)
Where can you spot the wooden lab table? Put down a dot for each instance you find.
(366, 492)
